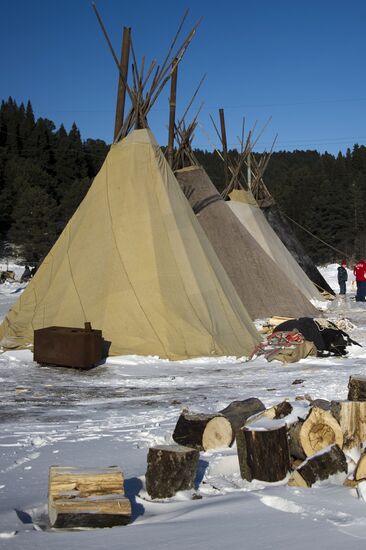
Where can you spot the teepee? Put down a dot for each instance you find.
(263, 288)
(134, 261)
(281, 226)
(241, 189)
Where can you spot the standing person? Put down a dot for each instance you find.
(342, 277)
(360, 273)
(26, 274)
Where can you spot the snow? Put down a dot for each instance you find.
(112, 414)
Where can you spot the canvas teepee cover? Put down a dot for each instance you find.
(134, 261)
(264, 289)
(246, 209)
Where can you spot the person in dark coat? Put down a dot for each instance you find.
(360, 274)
(26, 274)
(342, 277)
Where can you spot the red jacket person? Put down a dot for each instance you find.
(360, 273)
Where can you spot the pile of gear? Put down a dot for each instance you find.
(296, 339)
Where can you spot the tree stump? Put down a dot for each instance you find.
(351, 416)
(87, 498)
(170, 468)
(318, 431)
(263, 453)
(319, 467)
(238, 412)
(357, 388)
(203, 431)
(360, 471)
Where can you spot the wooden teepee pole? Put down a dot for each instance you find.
(172, 106)
(121, 93)
(224, 145)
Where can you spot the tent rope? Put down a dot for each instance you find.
(315, 237)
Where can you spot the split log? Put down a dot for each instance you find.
(318, 431)
(203, 431)
(360, 471)
(357, 388)
(272, 413)
(170, 468)
(351, 416)
(319, 467)
(238, 412)
(294, 440)
(87, 497)
(263, 453)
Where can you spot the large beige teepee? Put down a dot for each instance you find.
(245, 207)
(134, 261)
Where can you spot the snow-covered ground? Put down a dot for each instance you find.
(113, 413)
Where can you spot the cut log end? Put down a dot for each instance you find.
(320, 430)
(218, 433)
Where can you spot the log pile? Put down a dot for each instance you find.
(86, 498)
(272, 443)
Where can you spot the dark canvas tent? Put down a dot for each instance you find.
(263, 287)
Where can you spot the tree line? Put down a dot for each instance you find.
(45, 172)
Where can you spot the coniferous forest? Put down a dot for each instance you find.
(45, 172)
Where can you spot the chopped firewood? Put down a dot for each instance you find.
(263, 453)
(238, 412)
(360, 471)
(351, 416)
(357, 388)
(203, 431)
(170, 468)
(90, 497)
(319, 467)
(318, 431)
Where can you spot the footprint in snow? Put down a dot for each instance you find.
(282, 504)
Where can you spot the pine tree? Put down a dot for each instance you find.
(34, 229)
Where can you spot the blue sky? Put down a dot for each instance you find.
(300, 62)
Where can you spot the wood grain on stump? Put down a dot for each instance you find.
(319, 430)
(351, 416)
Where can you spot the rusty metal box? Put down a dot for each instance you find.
(68, 347)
